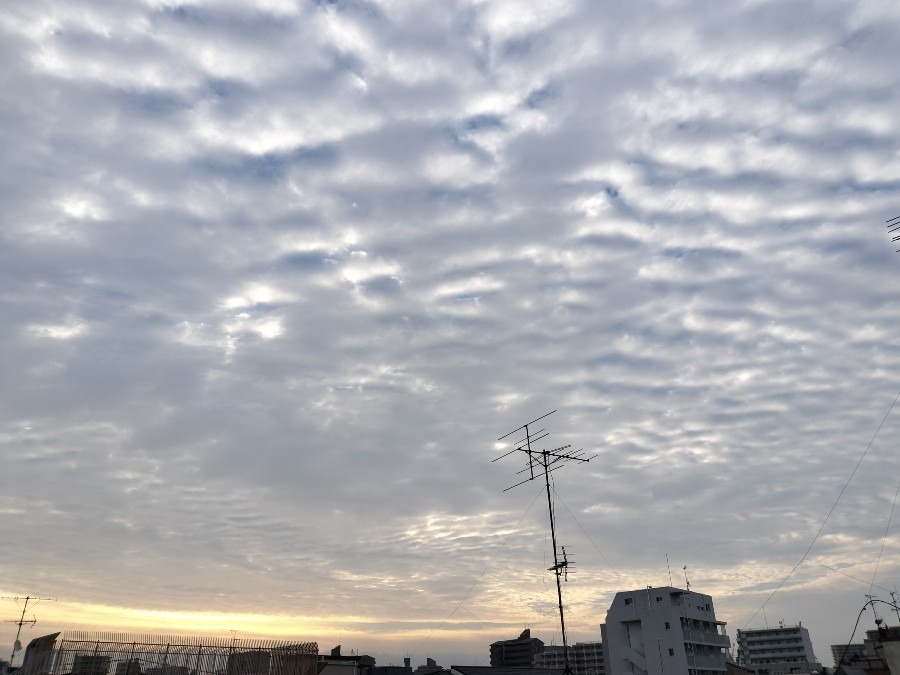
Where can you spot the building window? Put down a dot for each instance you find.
(668, 627)
(659, 598)
(628, 601)
(671, 652)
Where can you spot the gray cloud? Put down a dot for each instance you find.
(276, 275)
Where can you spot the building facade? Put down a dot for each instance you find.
(663, 631)
(90, 664)
(847, 654)
(523, 652)
(776, 651)
(585, 658)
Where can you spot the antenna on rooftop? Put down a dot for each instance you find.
(549, 460)
(893, 225)
(686, 582)
(878, 619)
(17, 646)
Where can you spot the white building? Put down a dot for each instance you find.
(663, 631)
(775, 651)
(585, 658)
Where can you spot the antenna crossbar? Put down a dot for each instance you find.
(525, 426)
(893, 225)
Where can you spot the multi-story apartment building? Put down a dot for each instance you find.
(589, 658)
(585, 658)
(847, 654)
(523, 652)
(663, 631)
(776, 651)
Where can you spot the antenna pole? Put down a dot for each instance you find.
(878, 619)
(21, 622)
(548, 458)
(557, 566)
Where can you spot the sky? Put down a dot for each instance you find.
(276, 275)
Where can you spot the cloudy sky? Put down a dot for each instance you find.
(275, 276)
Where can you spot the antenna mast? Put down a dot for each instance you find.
(549, 460)
(17, 646)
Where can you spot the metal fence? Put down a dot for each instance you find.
(89, 653)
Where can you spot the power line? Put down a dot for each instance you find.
(830, 511)
(584, 532)
(884, 538)
(849, 576)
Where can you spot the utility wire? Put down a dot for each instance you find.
(884, 538)
(830, 511)
(850, 641)
(584, 532)
(849, 576)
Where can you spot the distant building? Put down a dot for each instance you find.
(589, 658)
(166, 670)
(344, 664)
(663, 631)
(585, 658)
(90, 664)
(776, 651)
(129, 667)
(847, 654)
(430, 668)
(554, 657)
(523, 652)
(500, 670)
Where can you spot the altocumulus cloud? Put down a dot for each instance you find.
(276, 274)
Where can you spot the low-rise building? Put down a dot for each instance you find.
(663, 631)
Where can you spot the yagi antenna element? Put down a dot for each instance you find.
(548, 460)
(893, 225)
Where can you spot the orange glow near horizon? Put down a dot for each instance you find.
(322, 629)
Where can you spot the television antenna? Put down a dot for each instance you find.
(548, 460)
(17, 646)
(893, 225)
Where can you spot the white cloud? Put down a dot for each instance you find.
(276, 275)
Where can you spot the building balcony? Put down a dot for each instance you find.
(706, 638)
(706, 662)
